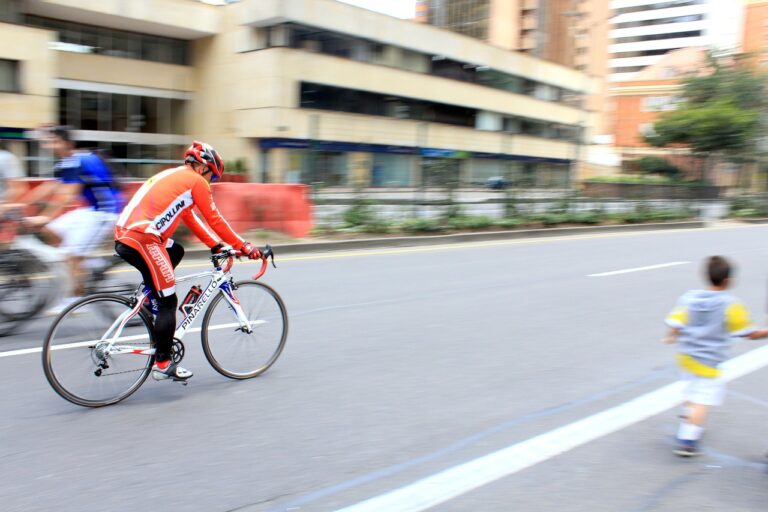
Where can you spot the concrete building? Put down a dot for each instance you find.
(755, 39)
(640, 101)
(643, 31)
(539, 28)
(312, 91)
(569, 32)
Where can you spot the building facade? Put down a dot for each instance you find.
(640, 102)
(756, 32)
(539, 28)
(312, 91)
(643, 31)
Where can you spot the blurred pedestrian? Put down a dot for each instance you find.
(10, 172)
(702, 324)
(85, 182)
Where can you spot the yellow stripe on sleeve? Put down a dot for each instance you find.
(737, 318)
(678, 317)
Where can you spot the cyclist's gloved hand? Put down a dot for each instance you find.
(251, 251)
(220, 247)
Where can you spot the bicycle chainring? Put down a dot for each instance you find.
(177, 351)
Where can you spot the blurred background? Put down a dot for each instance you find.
(549, 98)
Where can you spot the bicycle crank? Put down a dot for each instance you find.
(177, 351)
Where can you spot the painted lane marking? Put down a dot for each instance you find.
(452, 482)
(79, 344)
(639, 269)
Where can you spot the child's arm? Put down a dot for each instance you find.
(758, 334)
(672, 334)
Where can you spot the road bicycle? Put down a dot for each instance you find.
(93, 359)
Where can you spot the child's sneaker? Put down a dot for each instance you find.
(687, 448)
(168, 370)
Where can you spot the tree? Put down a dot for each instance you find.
(660, 166)
(719, 114)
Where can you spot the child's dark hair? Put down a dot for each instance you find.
(718, 270)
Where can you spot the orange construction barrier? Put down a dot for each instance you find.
(272, 206)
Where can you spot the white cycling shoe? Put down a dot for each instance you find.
(170, 370)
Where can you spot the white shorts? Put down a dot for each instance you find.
(83, 230)
(703, 390)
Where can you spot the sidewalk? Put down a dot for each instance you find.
(286, 245)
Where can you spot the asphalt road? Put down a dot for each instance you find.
(406, 363)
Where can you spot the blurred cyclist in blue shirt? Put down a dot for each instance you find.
(82, 179)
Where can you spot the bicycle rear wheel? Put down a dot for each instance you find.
(86, 370)
(231, 350)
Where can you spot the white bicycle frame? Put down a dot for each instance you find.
(220, 280)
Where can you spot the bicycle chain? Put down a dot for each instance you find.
(125, 371)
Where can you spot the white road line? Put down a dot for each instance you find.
(450, 483)
(639, 269)
(37, 350)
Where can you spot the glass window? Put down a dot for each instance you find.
(149, 115)
(117, 43)
(119, 112)
(178, 116)
(89, 110)
(329, 168)
(479, 171)
(392, 170)
(9, 76)
(440, 172)
(105, 111)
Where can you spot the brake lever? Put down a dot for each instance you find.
(268, 253)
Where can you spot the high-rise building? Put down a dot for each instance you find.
(537, 27)
(643, 31)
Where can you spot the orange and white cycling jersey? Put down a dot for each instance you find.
(165, 199)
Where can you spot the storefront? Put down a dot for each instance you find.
(344, 164)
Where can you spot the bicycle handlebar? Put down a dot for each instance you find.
(267, 253)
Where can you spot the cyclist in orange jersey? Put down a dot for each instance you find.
(144, 228)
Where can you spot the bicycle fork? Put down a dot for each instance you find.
(236, 308)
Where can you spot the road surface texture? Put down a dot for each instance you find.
(513, 375)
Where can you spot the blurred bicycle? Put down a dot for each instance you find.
(34, 275)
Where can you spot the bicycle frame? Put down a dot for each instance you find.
(220, 279)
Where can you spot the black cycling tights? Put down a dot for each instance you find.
(165, 323)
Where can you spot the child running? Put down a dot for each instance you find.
(702, 323)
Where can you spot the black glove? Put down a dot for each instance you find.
(220, 247)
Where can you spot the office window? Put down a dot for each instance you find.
(116, 43)
(86, 110)
(9, 76)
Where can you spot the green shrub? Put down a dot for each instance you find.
(590, 218)
(359, 214)
(470, 222)
(377, 226)
(420, 225)
(660, 166)
(510, 222)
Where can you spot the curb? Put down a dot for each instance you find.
(413, 241)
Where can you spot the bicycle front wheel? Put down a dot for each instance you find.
(90, 360)
(242, 351)
(25, 288)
